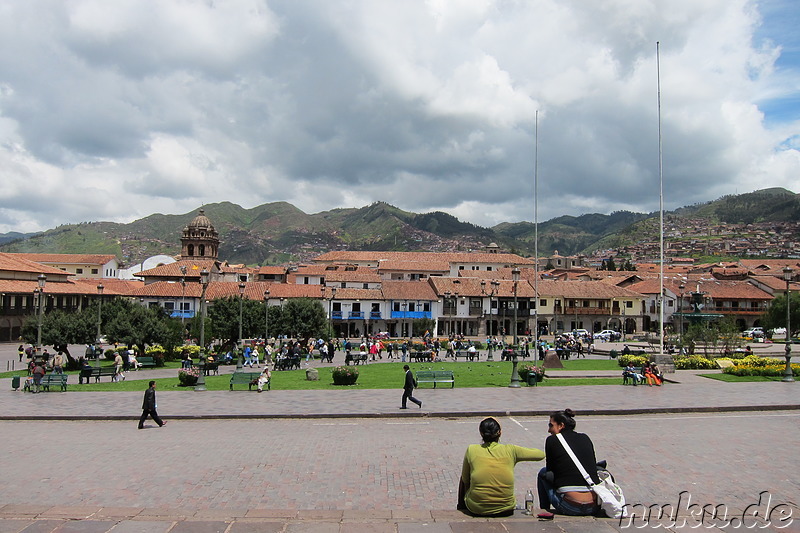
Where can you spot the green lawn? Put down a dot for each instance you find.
(372, 376)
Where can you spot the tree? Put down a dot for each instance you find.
(60, 329)
(715, 338)
(223, 317)
(302, 318)
(610, 265)
(775, 315)
(135, 325)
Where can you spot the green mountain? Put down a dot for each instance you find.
(279, 232)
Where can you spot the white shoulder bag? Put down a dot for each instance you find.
(609, 494)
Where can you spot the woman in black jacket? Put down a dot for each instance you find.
(561, 485)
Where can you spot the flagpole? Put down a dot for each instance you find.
(660, 210)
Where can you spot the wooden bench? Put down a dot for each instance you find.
(244, 378)
(436, 376)
(146, 362)
(54, 379)
(466, 355)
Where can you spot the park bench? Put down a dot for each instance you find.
(244, 378)
(420, 357)
(628, 378)
(146, 362)
(54, 379)
(98, 373)
(466, 355)
(209, 367)
(436, 376)
(288, 363)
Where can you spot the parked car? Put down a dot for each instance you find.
(754, 333)
(608, 335)
(580, 333)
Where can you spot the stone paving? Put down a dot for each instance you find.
(332, 461)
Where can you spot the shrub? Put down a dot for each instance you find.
(613, 354)
(694, 362)
(637, 360)
(767, 370)
(188, 376)
(344, 375)
(756, 361)
(193, 349)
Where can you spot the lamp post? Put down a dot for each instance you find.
(266, 318)
(42, 280)
(240, 360)
(201, 379)
(681, 287)
(99, 323)
(330, 310)
(495, 284)
(788, 375)
(514, 374)
(183, 295)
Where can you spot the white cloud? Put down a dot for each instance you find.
(115, 110)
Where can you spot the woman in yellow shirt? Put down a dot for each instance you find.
(486, 487)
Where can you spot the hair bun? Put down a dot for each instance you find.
(569, 412)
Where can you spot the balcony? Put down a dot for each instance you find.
(336, 315)
(400, 315)
(356, 315)
(375, 315)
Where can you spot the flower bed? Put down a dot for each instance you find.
(344, 375)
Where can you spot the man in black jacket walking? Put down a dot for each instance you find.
(149, 406)
(408, 389)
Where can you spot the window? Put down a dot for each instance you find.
(305, 280)
(543, 302)
(396, 306)
(79, 271)
(95, 271)
(365, 286)
(426, 307)
(628, 304)
(343, 285)
(488, 269)
(411, 307)
(169, 306)
(461, 267)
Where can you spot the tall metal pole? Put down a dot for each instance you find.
(788, 375)
(201, 379)
(660, 212)
(536, 234)
(240, 343)
(183, 296)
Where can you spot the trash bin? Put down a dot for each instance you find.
(533, 379)
(15, 382)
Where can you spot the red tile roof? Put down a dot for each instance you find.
(467, 258)
(15, 263)
(73, 259)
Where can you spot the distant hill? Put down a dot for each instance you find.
(279, 232)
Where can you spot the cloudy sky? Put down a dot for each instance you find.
(113, 110)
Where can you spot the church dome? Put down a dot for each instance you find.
(201, 221)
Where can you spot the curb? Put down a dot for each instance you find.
(443, 414)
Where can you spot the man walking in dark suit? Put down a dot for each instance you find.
(149, 406)
(408, 389)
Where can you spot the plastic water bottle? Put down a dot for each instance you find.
(529, 502)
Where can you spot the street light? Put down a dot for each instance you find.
(240, 360)
(680, 316)
(514, 374)
(99, 322)
(201, 379)
(42, 280)
(788, 375)
(183, 294)
(266, 318)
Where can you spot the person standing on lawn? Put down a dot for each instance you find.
(149, 406)
(408, 389)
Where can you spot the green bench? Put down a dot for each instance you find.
(244, 378)
(629, 378)
(98, 373)
(436, 376)
(54, 379)
(146, 362)
(466, 355)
